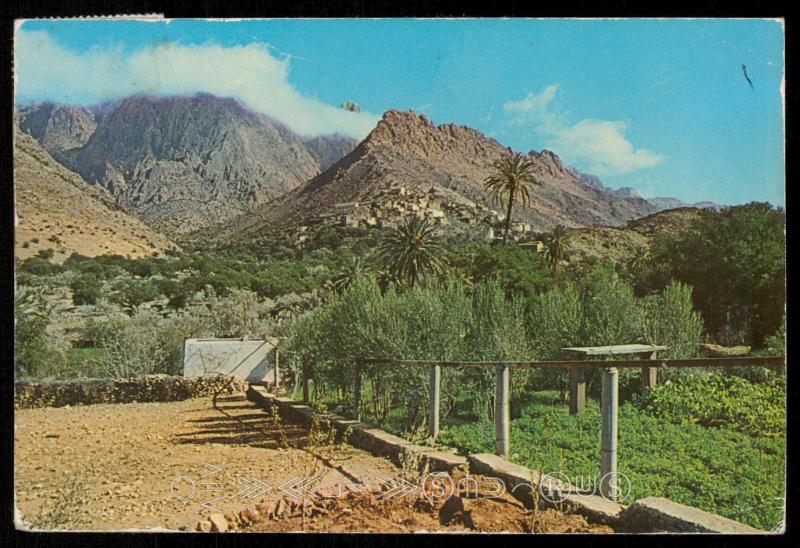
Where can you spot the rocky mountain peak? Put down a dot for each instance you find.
(409, 132)
(58, 128)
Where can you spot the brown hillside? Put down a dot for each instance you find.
(618, 244)
(58, 210)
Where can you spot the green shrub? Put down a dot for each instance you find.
(145, 344)
(736, 262)
(611, 313)
(39, 266)
(86, 289)
(723, 401)
(39, 350)
(668, 319)
(131, 293)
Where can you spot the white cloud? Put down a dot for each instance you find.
(534, 108)
(599, 146)
(44, 70)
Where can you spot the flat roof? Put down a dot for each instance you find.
(614, 349)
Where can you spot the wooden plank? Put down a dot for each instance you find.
(768, 361)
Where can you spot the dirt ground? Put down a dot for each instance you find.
(185, 465)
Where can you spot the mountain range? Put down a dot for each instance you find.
(181, 163)
(207, 165)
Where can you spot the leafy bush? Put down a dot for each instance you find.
(145, 344)
(723, 401)
(611, 314)
(86, 289)
(39, 350)
(131, 293)
(518, 270)
(39, 266)
(745, 249)
(668, 319)
(242, 313)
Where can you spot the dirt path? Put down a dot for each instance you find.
(172, 465)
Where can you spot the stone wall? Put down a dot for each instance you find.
(150, 388)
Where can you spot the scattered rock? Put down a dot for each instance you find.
(218, 522)
(203, 526)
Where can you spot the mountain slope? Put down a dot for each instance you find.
(182, 163)
(60, 129)
(58, 210)
(406, 150)
(619, 244)
(329, 149)
(665, 203)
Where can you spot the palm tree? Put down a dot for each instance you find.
(512, 176)
(412, 250)
(640, 258)
(556, 246)
(355, 269)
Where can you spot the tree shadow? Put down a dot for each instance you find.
(235, 421)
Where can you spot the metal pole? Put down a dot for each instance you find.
(502, 414)
(433, 418)
(608, 433)
(357, 393)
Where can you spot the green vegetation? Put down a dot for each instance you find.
(736, 263)
(86, 289)
(720, 470)
(708, 440)
(446, 320)
(412, 251)
(723, 401)
(38, 349)
(556, 246)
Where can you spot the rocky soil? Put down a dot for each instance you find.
(193, 467)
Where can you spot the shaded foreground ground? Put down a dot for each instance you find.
(174, 465)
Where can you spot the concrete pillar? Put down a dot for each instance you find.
(649, 376)
(433, 415)
(608, 433)
(357, 391)
(502, 412)
(577, 390)
(277, 364)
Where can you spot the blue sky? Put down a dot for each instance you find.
(659, 105)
